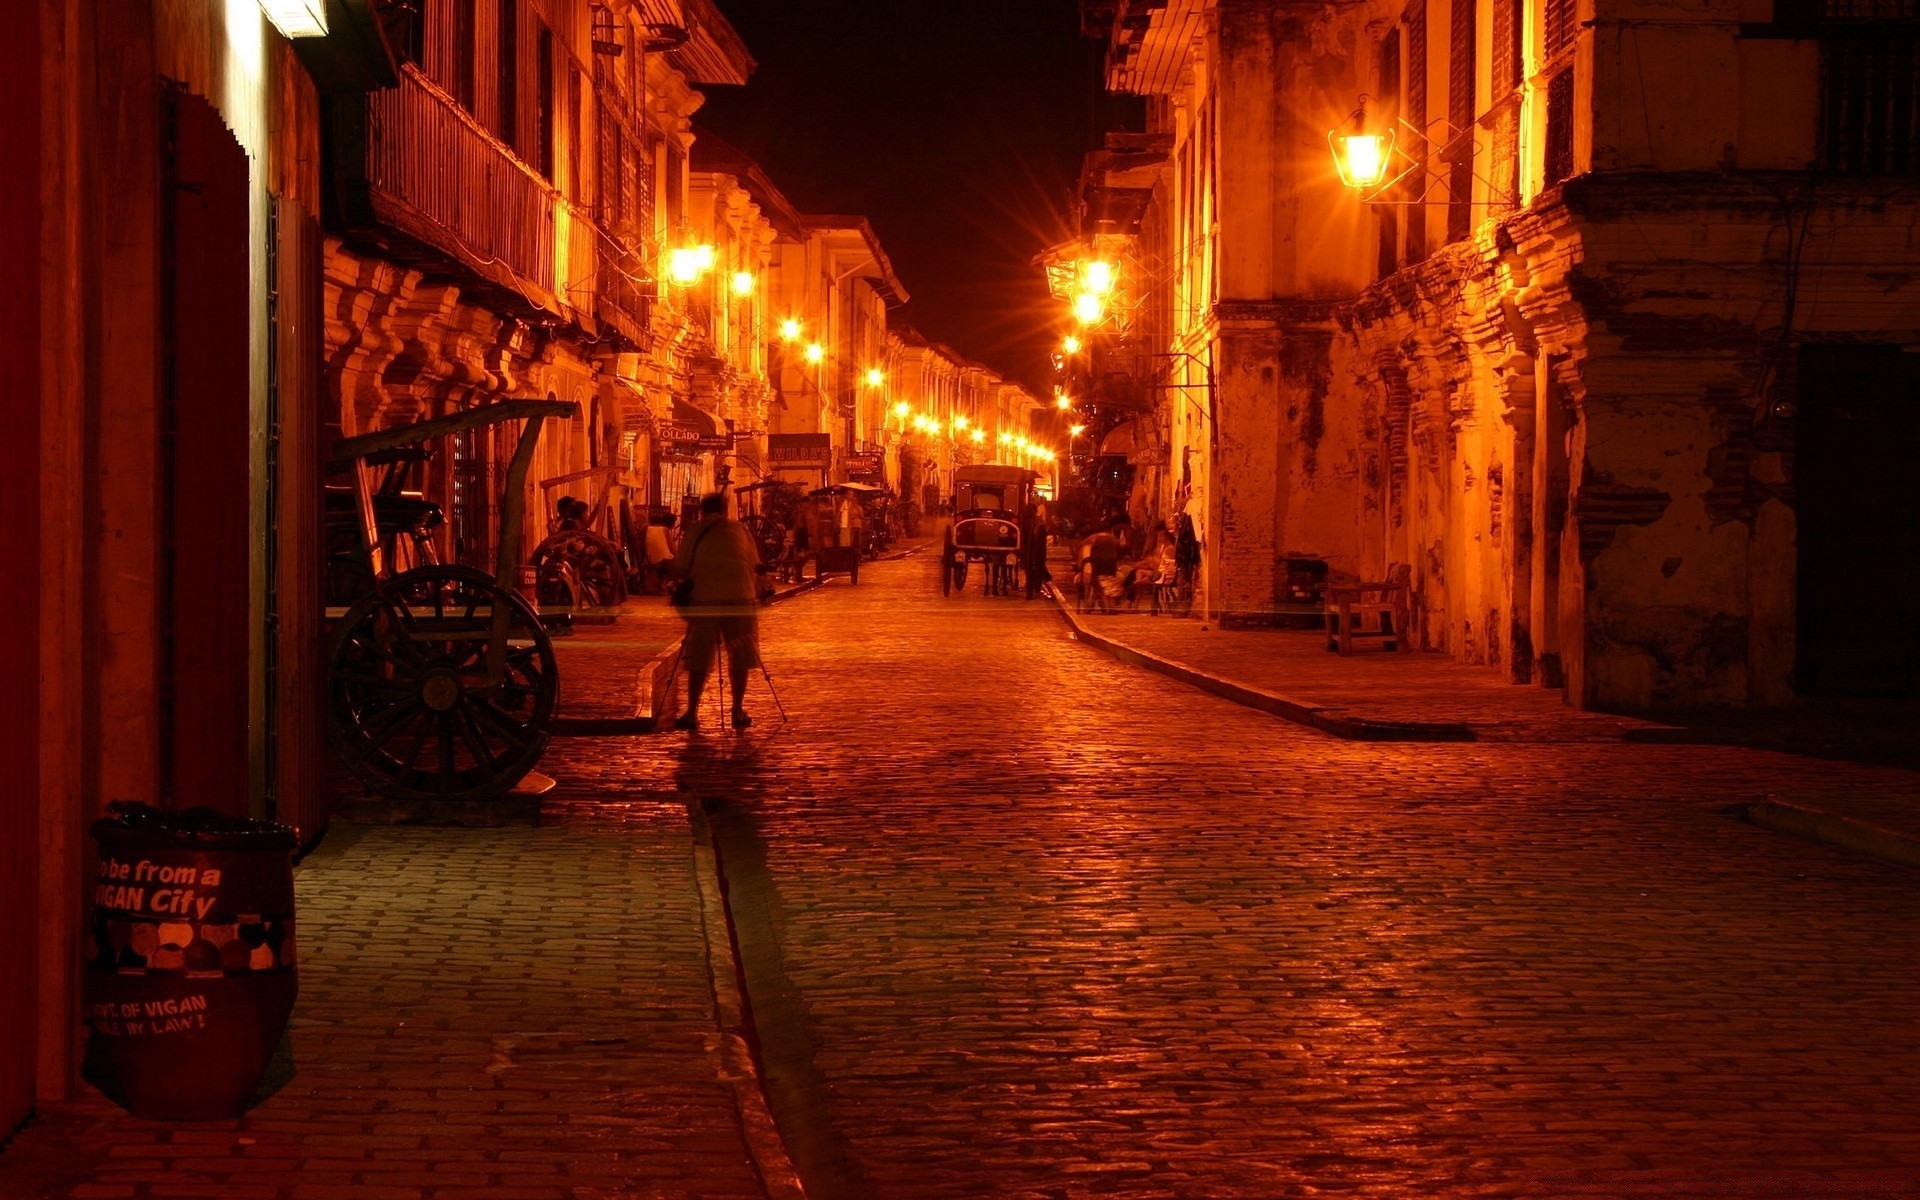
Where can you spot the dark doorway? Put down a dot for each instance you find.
(1858, 503)
(208, 558)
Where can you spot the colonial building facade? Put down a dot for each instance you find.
(1609, 351)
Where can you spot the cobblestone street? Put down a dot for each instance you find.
(1021, 921)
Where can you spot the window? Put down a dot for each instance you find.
(1462, 86)
(465, 31)
(1869, 86)
(509, 116)
(1558, 162)
(1416, 24)
(1386, 216)
(543, 100)
(576, 136)
(1507, 63)
(1556, 26)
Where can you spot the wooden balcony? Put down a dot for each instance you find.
(414, 177)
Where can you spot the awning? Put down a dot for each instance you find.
(1122, 440)
(703, 423)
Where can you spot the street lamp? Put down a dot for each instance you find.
(790, 329)
(688, 264)
(1088, 309)
(816, 353)
(1070, 345)
(875, 377)
(743, 283)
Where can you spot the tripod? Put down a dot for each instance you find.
(723, 663)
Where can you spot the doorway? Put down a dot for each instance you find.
(1856, 444)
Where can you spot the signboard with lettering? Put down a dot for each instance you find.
(867, 468)
(799, 449)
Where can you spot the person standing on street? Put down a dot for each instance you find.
(718, 557)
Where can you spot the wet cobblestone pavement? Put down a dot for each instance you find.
(1022, 921)
(485, 1014)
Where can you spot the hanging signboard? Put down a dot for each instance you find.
(799, 449)
(867, 468)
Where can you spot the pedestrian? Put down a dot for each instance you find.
(1033, 546)
(659, 551)
(719, 560)
(573, 514)
(1100, 562)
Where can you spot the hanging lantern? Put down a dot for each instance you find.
(1362, 159)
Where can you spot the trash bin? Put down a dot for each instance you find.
(192, 975)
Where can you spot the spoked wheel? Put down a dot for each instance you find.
(414, 710)
(597, 578)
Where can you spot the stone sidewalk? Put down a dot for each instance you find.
(1376, 695)
(526, 1013)
(1371, 695)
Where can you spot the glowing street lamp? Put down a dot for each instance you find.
(1063, 402)
(743, 283)
(816, 353)
(978, 436)
(687, 265)
(1070, 345)
(790, 329)
(875, 377)
(903, 410)
(1088, 309)
(1361, 158)
(1098, 276)
(960, 422)
(1076, 430)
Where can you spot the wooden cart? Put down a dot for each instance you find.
(442, 682)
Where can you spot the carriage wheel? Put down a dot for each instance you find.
(596, 565)
(413, 712)
(946, 565)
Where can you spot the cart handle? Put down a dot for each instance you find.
(348, 451)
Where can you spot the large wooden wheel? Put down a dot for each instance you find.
(415, 710)
(597, 578)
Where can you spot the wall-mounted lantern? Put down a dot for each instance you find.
(1362, 157)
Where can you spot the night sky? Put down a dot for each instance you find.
(956, 128)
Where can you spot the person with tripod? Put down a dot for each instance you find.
(719, 570)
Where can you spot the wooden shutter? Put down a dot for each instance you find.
(1508, 62)
(1461, 93)
(508, 118)
(1416, 183)
(1559, 147)
(1387, 217)
(1556, 25)
(1508, 65)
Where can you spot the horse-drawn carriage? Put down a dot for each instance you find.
(988, 503)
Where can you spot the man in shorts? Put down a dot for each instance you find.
(718, 554)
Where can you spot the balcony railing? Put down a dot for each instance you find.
(410, 161)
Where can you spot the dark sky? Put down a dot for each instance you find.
(956, 127)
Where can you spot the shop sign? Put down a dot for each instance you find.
(713, 443)
(681, 436)
(866, 468)
(799, 449)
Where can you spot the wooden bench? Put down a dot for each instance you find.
(1380, 610)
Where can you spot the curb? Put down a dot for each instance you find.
(1354, 729)
(1803, 820)
(771, 1161)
